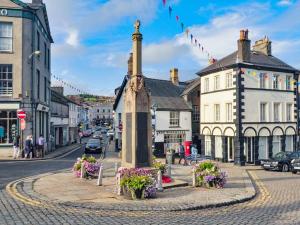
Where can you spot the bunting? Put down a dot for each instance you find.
(194, 41)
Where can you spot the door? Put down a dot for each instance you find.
(230, 149)
(289, 143)
(249, 149)
(218, 147)
(208, 145)
(263, 148)
(276, 144)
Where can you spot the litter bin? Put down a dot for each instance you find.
(170, 157)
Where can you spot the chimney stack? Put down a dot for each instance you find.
(37, 2)
(174, 76)
(58, 89)
(129, 73)
(264, 46)
(244, 47)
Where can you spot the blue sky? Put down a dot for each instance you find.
(93, 37)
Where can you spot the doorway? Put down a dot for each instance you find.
(230, 149)
(249, 149)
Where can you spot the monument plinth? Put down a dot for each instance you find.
(137, 129)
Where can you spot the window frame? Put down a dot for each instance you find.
(217, 112)
(288, 81)
(275, 82)
(7, 89)
(276, 113)
(174, 119)
(229, 80)
(229, 113)
(289, 116)
(265, 113)
(8, 37)
(206, 84)
(217, 82)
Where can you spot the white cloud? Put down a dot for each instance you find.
(284, 3)
(73, 38)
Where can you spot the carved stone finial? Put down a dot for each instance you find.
(137, 25)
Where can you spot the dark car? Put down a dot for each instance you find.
(93, 146)
(281, 161)
(97, 134)
(295, 165)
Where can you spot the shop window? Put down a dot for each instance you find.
(8, 126)
(6, 80)
(174, 119)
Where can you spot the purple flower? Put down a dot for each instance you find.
(209, 178)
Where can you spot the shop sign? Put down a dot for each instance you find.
(43, 108)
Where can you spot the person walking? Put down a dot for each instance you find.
(28, 147)
(40, 149)
(182, 154)
(194, 154)
(16, 146)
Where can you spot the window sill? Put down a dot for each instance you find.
(174, 127)
(6, 52)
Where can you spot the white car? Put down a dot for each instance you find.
(110, 133)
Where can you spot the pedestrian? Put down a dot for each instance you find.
(28, 147)
(194, 153)
(80, 136)
(40, 149)
(182, 154)
(16, 146)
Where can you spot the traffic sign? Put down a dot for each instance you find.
(21, 114)
(23, 124)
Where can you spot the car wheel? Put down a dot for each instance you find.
(285, 168)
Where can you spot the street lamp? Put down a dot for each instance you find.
(154, 108)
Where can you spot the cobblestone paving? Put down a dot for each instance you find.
(278, 202)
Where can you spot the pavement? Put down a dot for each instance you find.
(50, 155)
(276, 201)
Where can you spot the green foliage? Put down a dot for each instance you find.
(206, 166)
(136, 182)
(159, 166)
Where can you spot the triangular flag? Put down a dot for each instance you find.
(191, 38)
(177, 18)
(170, 11)
(182, 27)
(164, 2)
(195, 41)
(187, 32)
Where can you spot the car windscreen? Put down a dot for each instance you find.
(93, 142)
(281, 155)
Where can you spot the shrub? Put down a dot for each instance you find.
(90, 164)
(208, 174)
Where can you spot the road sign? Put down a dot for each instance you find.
(23, 124)
(21, 114)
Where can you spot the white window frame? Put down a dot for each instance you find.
(206, 84)
(217, 82)
(8, 37)
(275, 81)
(265, 119)
(289, 110)
(263, 82)
(276, 114)
(174, 119)
(217, 112)
(196, 113)
(229, 83)
(229, 112)
(6, 80)
(288, 83)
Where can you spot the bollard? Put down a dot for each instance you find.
(100, 176)
(82, 171)
(118, 181)
(116, 168)
(194, 177)
(159, 181)
(169, 170)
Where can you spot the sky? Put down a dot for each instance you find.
(93, 37)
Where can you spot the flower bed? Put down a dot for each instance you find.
(90, 164)
(208, 174)
(137, 183)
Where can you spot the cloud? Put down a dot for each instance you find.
(73, 38)
(285, 3)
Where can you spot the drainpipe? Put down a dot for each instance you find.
(33, 112)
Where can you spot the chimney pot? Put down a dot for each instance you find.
(174, 76)
(263, 46)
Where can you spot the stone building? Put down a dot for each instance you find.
(59, 118)
(101, 112)
(25, 68)
(248, 104)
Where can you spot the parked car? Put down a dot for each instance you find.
(103, 130)
(93, 146)
(110, 133)
(295, 166)
(97, 134)
(87, 133)
(281, 161)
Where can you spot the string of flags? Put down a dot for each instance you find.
(68, 85)
(194, 41)
(266, 76)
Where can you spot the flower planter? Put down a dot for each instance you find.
(138, 194)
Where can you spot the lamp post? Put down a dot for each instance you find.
(154, 108)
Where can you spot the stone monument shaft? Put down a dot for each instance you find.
(137, 132)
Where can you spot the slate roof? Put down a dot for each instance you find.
(164, 94)
(257, 59)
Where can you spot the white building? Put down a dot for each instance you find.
(171, 114)
(248, 105)
(73, 121)
(101, 112)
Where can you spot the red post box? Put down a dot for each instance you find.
(187, 147)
